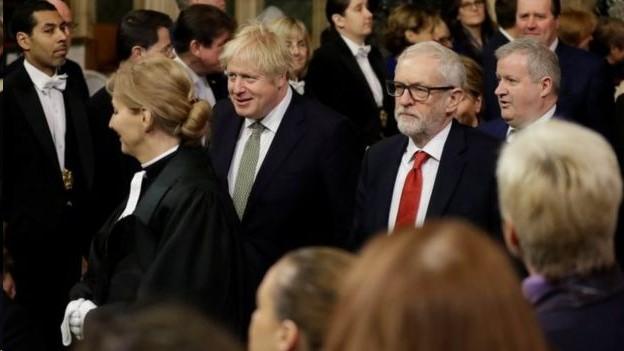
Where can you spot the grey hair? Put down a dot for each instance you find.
(541, 61)
(451, 67)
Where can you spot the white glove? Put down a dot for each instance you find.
(76, 319)
(71, 308)
(75, 313)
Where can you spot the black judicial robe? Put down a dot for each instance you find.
(179, 245)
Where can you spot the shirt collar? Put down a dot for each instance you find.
(38, 77)
(353, 47)
(274, 118)
(160, 157)
(534, 287)
(434, 147)
(194, 77)
(505, 34)
(554, 44)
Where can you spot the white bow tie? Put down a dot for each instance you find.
(58, 81)
(363, 51)
(299, 85)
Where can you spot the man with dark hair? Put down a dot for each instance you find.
(506, 19)
(199, 35)
(47, 169)
(70, 67)
(141, 33)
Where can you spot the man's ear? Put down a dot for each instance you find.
(288, 336)
(136, 52)
(455, 97)
(511, 238)
(546, 86)
(338, 20)
(23, 40)
(194, 47)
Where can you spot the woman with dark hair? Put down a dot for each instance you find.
(173, 238)
(407, 24)
(470, 24)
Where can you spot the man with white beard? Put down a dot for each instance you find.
(435, 167)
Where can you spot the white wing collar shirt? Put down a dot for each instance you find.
(50, 92)
(361, 56)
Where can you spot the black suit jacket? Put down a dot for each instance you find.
(335, 79)
(464, 187)
(303, 193)
(47, 226)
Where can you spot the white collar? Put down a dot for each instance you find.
(434, 147)
(38, 77)
(160, 157)
(274, 118)
(554, 44)
(194, 77)
(543, 118)
(353, 47)
(505, 34)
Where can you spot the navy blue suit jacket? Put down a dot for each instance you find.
(585, 96)
(464, 187)
(304, 191)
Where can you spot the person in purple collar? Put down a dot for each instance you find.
(560, 190)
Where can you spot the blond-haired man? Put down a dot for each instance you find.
(560, 190)
(290, 163)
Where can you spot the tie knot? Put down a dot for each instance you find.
(363, 51)
(419, 158)
(256, 128)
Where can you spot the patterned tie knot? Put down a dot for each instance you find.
(419, 158)
(256, 128)
(363, 51)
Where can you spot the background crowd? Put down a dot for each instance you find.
(436, 175)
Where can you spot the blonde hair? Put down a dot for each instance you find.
(560, 186)
(445, 286)
(576, 25)
(161, 86)
(306, 289)
(286, 27)
(256, 45)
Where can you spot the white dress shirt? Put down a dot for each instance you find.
(271, 123)
(202, 88)
(429, 172)
(511, 131)
(53, 108)
(373, 82)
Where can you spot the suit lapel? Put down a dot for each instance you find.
(76, 112)
(351, 63)
(288, 135)
(229, 136)
(388, 177)
(33, 113)
(450, 171)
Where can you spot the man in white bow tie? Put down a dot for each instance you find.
(47, 170)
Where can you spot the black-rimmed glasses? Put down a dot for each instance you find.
(418, 92)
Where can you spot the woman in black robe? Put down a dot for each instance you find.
(174, 237)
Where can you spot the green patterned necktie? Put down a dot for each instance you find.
(247, 169)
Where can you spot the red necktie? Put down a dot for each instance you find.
(410, 197)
